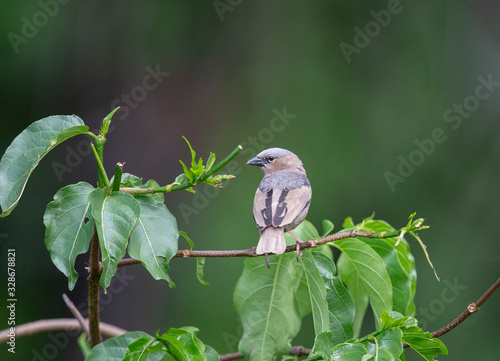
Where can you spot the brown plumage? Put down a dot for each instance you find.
(282, 198)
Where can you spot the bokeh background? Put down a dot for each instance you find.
(352, 116)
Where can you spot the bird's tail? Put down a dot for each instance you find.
(272, 240)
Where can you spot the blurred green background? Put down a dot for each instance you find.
(353, 116)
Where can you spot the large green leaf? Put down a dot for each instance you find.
(401, 286)
(69, 227)
(305, 231)
(115, 217)
(142, 348)
(114, 348)
(26, 151)
(369, 268)
(349, 352)
(357, 290)
(317, 293)
(423, 343)
(177, 344)
(390, 345)
(340, 303)
(184, 345)
(406, 259)
(153, 240)
(264, 300)
(322, 348)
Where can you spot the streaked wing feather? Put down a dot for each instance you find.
(260, 211)
(286, 209)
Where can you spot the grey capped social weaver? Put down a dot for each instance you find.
(282, 199)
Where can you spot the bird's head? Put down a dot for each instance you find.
(273, 160)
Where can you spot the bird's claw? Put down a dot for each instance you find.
(298, 252)
(267, 260)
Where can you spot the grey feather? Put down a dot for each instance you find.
(272, 240)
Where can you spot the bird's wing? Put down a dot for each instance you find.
(262, 208)
(279, 207)
(288, 204)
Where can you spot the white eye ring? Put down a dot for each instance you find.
(271, 158)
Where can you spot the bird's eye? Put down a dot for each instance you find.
(271, 158)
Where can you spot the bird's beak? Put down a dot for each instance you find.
(256, 161)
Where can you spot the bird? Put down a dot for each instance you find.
(282, 199)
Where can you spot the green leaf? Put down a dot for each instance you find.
(305, 231)
(264, 300)
(216, 180)
(115, 217)
(184, 345)
(140, 349)
(401, 286)
(340, 304)
(210, 161)
(193, 153)
(187, 172)
(69, 228)
(114, 348)
(317, 293)
(405, 257)
(84, 344)
(357, 290)
(423, 343)
(191, 243)
(322, 348)
(349, 352)
(348, 223)
(369, 268)
(26, 151)
(390, 345)
(153, 240)
(106, 121)
(211, 354)
(200, 270)
(327, 227)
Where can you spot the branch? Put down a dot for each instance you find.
(472, 308)
(103, 179)
(250, 252)
(93, 283)
(55, 324)
(295, 351)
(77, 314)
(177, 187)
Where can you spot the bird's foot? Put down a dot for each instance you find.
(267, 260)
(298, 251)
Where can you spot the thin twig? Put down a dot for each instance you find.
(93, 283)
(250, 252)
(295, 351)
(472, 308)
(56, 324)
(76, 313)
